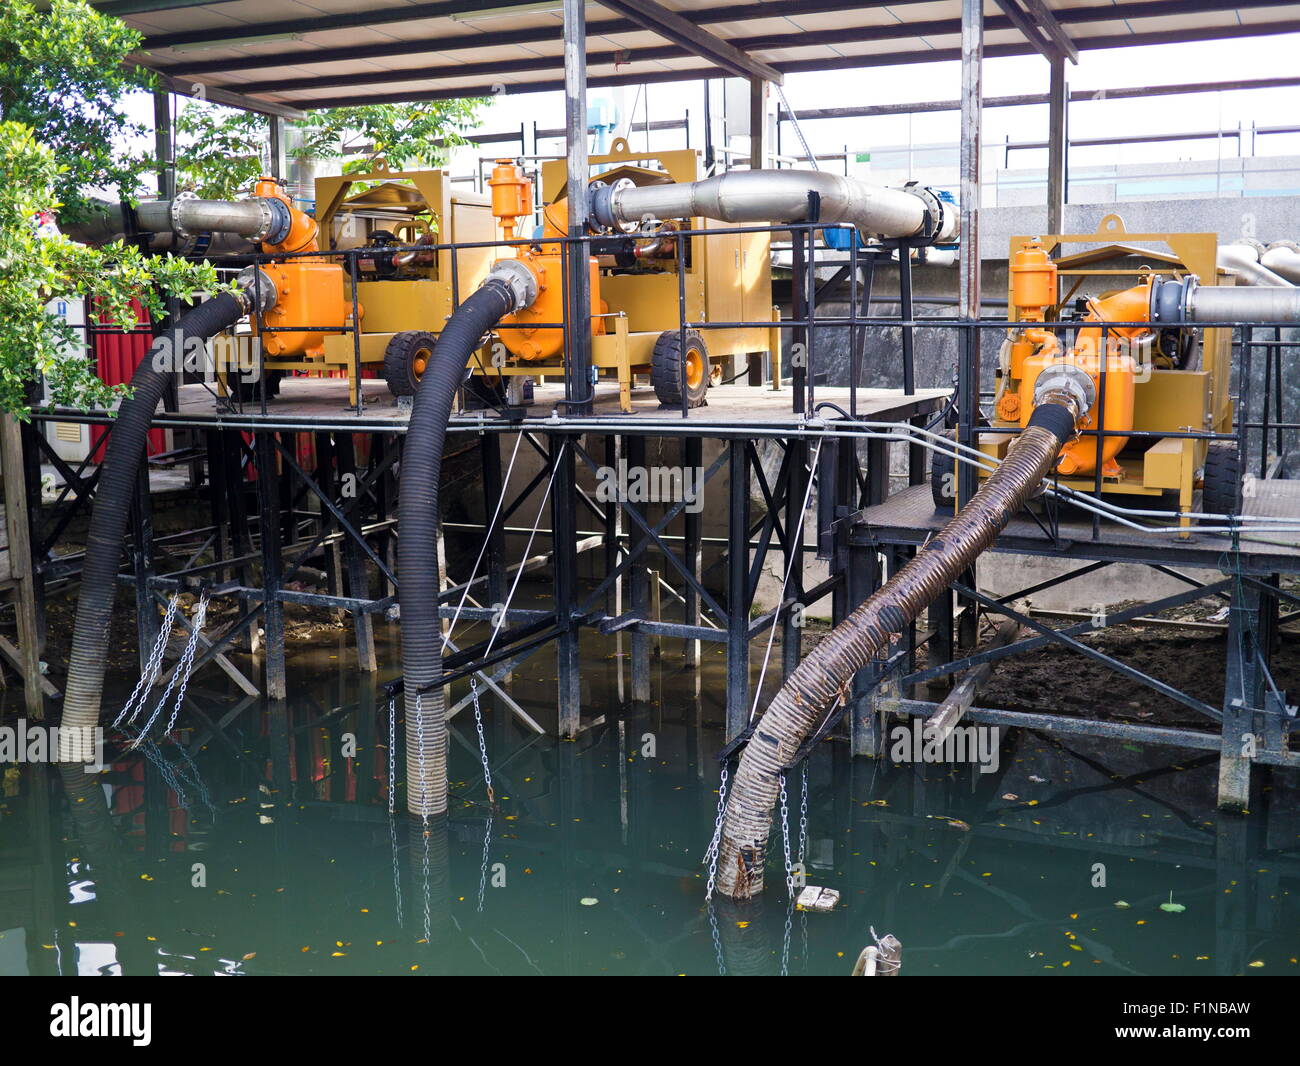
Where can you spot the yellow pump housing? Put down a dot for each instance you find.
(1157, 379)
(512, 199)
(635, 296)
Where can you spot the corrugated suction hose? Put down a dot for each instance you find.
(108, 517)
(823, 677)
(418, 569)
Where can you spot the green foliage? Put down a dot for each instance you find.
(62, 73)
(219, 150)
(36, 268)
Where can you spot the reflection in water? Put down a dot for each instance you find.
(267, 844)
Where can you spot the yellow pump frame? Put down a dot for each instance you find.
(421, 302)
(726, 280)
(1167, 400)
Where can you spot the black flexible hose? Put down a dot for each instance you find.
(823, 677)
(108, 517)
(418, 568)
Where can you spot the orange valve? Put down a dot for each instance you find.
(512, 195)
(1033, 280)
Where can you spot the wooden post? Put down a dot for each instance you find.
(20, 562)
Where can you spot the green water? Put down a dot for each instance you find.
(284, 860)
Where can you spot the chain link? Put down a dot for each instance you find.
(785, 840)
(711, 856)
(482, 743)
(392, 754)
(717, 939)
(182, 671)
(803, 819)
(152, 665)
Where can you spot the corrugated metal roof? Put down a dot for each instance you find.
(317, 53)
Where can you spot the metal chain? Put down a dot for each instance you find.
(186, 667)
(183, 666)
(152, 665)
(483, 867)
(803, 818)
(717, 941)
(711, 856)
(482, 743)
(392, 754)
(419, 747)
(785, 840)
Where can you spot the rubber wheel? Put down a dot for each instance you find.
(1221, 488)
(943, 478)
(405, 358)
(666, 369)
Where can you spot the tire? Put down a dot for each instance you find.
(666, 369)
(943, 479)
(405, 358)
(1221, 487)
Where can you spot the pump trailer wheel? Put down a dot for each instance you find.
(405, 358)
(666, 368)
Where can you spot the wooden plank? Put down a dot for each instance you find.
(20, 563)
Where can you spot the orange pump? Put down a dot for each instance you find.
(1034, 350)
(511, 201)
(309, 289)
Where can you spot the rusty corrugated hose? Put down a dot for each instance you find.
(108, 517)
(823, 677)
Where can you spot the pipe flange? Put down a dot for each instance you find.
(1171, 299)
(174, 212)
(259, 291)
(942, 213)
(1069, 381)
(518, 279)
(273, 225)
(602, 205)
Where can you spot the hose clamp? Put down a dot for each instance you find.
(258, 288)
(1069, 382)
(518, 279)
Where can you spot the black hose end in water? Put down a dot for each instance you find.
(1056, 419)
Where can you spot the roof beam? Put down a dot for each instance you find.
(552, 63)
(344, 20)
(118, 8)
(672, 27)
(773, 8)
(1048, 23)
(1027, 29)
(894, 58)
(182, 87)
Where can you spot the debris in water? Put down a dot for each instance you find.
(589, 901)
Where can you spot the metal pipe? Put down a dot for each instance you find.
(1243, 261)
(1245, 303)
(1283, 258)
(782, 196)
(254, 219)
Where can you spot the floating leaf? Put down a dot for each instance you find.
(1172, 907)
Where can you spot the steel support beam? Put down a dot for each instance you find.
(578, 389)
(673, 27)
(738, 595)
(1058, 145)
